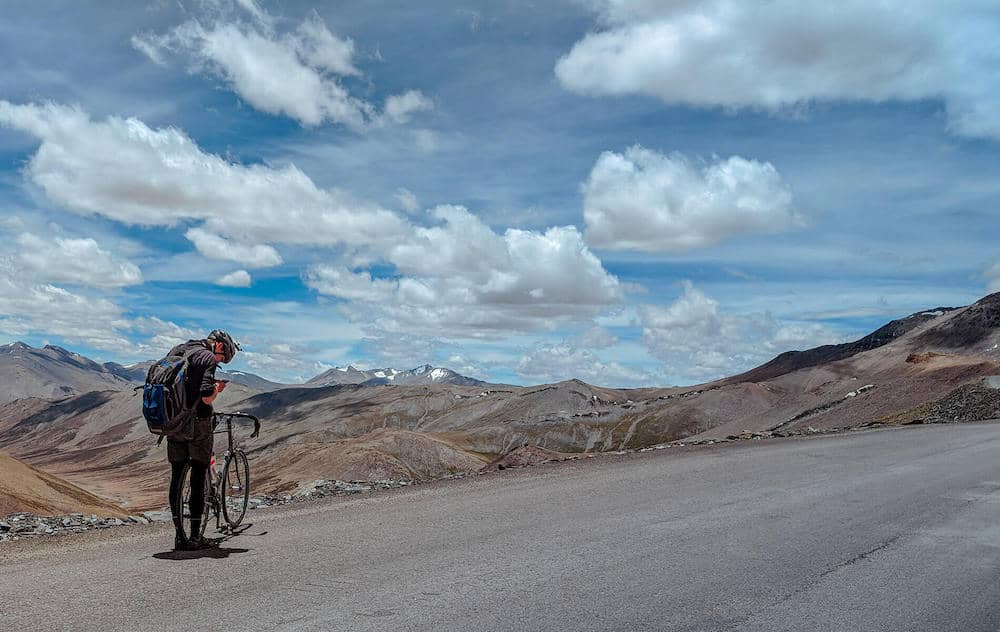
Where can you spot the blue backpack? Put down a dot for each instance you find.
(164, 397)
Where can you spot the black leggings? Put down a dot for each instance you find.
(197, 501)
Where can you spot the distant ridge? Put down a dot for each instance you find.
(795, 360)
(425, 374)
(52, 372)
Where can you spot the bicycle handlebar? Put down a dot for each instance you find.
(256, 422)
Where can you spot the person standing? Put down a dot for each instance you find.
(193, 446)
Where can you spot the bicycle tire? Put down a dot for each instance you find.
(186, 504)
(235, 488)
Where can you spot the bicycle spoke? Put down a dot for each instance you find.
(235, 488)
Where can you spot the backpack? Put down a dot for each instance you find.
(164, 396)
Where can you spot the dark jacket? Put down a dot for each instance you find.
(200, 378)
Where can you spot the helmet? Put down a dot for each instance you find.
(229, 346)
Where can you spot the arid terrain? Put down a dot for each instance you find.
(932, 366)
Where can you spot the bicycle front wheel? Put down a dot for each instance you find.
(235, 488)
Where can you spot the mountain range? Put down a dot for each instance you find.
(933, 366)
(425, 374)
(53, 372)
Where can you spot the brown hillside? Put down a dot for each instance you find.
(25, 488)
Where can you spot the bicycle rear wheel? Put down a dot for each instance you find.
(235, 488)
(186, 505)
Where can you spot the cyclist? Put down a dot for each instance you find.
(194, 445)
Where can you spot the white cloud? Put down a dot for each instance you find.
(297, 73)
(400, 350)
(162, 336)
(30, 307)
(643, 200)
(698, 342)
(216, 247)
(426, 140)
(353, 286)
(462, 278)
(407, 200)
(400, 107)
(77, 261)
(33, 303)
(597, 338)
(273, 361)
(468, 367)
(128, 172)
(992, 276)
(239, 278)
(563, 361)
(457, 273)
(779, 54)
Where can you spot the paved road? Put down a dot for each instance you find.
(883, 530)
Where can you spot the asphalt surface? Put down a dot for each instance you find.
(882, 530)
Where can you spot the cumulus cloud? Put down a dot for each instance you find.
(399, 108)
(27, 307)
(457, 273)
(161, 335)
(643, 200)
(130, 173)
(463, 277)
(298, 73)
(63, 286)
(783, 53)
(271, 360)
(239, 278)
(697, 341)
(407, 200)
(75, 261)
(597, 338)
(353, 286)
(216, 247)
(564, 361)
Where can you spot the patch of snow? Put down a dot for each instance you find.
(439, 374)
(342, 369)
(866, 387)
(379, 373)
(934, 313)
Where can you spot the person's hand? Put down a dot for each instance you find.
(219, 386)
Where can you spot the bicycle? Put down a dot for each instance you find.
(227, 492)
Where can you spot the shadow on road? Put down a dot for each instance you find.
(214, 552)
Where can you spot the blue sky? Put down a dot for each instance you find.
(629, 192)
